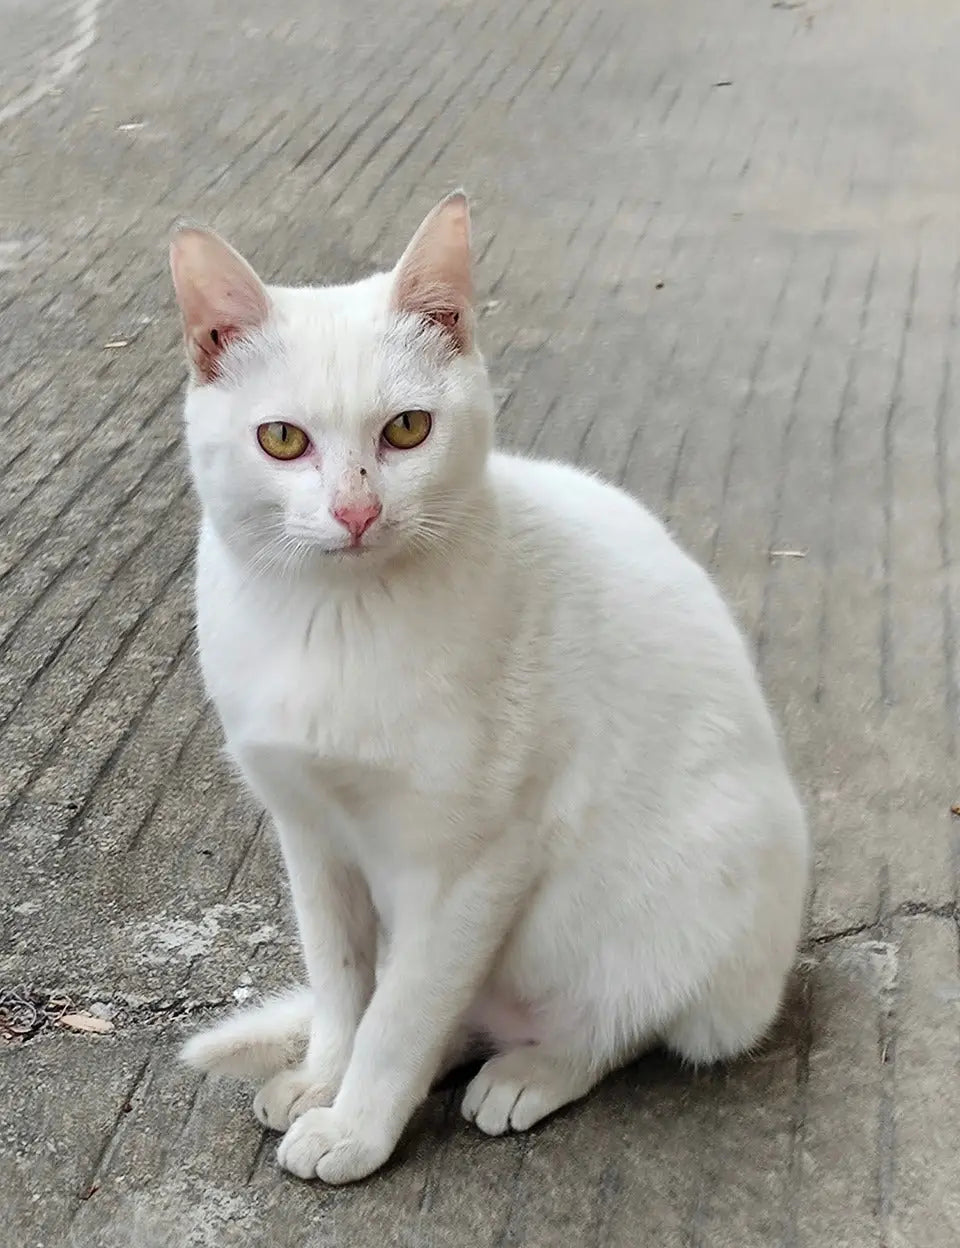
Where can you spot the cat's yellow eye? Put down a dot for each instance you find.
(282, 441)
(407, 430)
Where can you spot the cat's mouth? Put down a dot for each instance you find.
(349, 550)
(315, 544)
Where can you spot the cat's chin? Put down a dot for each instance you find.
(349, 556)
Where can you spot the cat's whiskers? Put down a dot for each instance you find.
(293, 557)
(277, 556)
(438, 530)
(268, 546)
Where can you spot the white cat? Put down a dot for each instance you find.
(525, 783)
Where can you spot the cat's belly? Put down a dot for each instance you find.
(502, 1020)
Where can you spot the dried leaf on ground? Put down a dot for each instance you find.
(82, 1021)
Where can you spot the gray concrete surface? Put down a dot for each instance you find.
(718, 261)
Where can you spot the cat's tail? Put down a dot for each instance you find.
(256, 1042)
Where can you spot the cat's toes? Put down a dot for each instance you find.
(321, 1145)
(515, 1090)
(289, 1094)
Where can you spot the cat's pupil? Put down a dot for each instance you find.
(283, 433)
(406, 422)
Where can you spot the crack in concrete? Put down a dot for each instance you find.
(906, 910)
(131, 1012)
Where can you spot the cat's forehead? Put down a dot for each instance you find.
(340, 355)
(337, 321)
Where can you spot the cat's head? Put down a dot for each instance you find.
(341, 426)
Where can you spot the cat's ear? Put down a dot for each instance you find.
(433, 279)
(220, 297)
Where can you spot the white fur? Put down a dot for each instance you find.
(524, 780)
(255, 1043)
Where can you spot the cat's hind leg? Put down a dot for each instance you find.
(521, 1085)
(289, 1094)
(525, 1083)
(545, 1056)
(729, 1018)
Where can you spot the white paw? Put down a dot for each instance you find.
(513, 1091)
(322, 1145)
(289, 1094)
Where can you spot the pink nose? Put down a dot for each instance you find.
(357, 517)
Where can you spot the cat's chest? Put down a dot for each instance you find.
(334, 686)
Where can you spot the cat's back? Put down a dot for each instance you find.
(572, 524)
(621, 606)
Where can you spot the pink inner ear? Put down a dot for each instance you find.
(449, 318)
(425, 295)
(205, 348)
(433, 277)
(220, 297)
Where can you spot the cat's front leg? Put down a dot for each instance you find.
(445, 937)
(337, 929)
